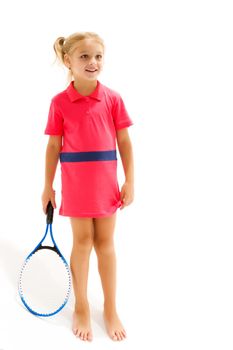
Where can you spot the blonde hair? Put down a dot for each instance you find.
(67, 45)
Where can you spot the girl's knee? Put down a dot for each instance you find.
(84, 240)
(104, 246)
(83, 232)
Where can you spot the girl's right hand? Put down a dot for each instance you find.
(48, 195)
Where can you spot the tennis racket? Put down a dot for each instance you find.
(44, 281)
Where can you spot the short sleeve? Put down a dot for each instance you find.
(121, 117)
(55, 121)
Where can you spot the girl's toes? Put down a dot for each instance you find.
(89, 336)
(81, 335)
(123, 334)
(78, 332)
(114, 336)
(118, 335)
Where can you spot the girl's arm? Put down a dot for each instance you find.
(126, 153)
(51, 159)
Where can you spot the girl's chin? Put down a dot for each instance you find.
(94, 77)
(87, 77)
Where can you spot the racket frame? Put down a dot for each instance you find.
(49, 220)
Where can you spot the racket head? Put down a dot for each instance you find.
(44, 282)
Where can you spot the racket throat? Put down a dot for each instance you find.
(48, 247)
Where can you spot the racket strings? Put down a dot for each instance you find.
(44, 282)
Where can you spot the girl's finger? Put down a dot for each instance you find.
(123, 203)
(45, 209)
(53, 203)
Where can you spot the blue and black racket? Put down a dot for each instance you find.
(45, 281)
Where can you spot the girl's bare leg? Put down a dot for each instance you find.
(105, 251)
(82, 229)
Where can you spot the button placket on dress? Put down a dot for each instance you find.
(87, 101)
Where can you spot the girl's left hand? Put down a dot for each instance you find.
(127, 194)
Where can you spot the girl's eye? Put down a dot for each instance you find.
(98, 56)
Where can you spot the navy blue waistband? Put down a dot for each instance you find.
(87, 156)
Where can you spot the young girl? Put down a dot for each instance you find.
(84, 123)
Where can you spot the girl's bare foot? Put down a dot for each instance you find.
(113, 325)
(81, 326)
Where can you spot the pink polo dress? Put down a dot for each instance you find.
(88, 158)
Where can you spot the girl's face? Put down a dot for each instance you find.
(86, 62)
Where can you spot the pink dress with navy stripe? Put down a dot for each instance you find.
(88, 157)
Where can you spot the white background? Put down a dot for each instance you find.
(172, 63)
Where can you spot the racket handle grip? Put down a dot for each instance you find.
(49, 213)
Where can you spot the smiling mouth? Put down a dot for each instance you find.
(91, 71)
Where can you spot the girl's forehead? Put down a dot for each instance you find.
(88, 45)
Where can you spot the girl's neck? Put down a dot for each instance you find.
(85, 88)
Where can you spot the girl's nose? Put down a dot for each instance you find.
(93, 60)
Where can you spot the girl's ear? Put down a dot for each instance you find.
(66, 60)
